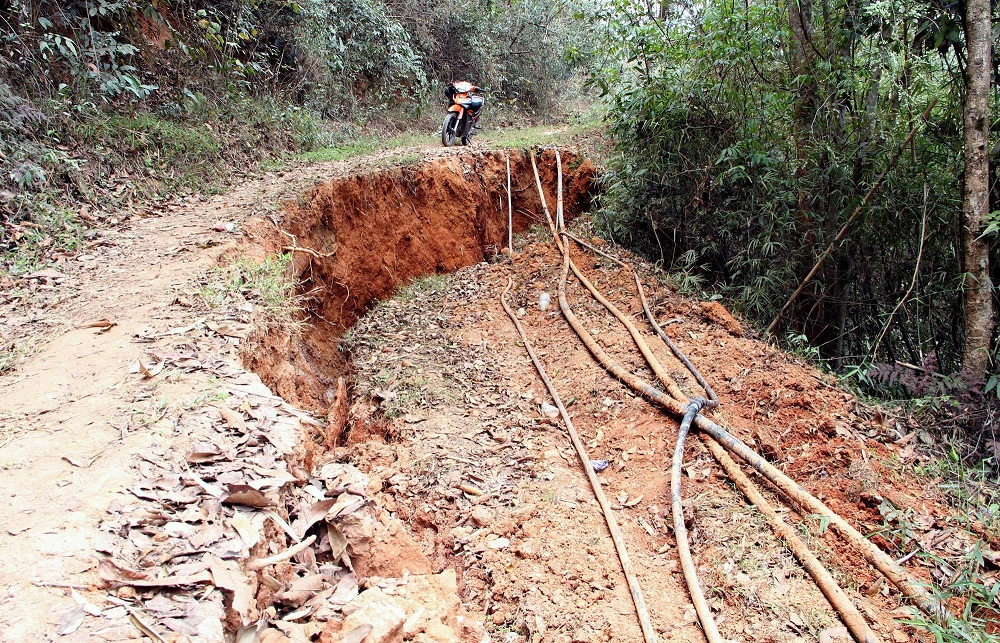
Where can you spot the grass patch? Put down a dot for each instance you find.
(409, 159)
(974, 491)
(510, 137)
(10, 358)
(267, 287)
(977, 621)
(50, 229)
(177, 153)
(524, 138)
(963, 579)
(195, 152)
(425, 286)
(362, 146)
(108, 159)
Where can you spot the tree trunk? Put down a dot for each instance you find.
(806, 91)
(806, 102)
(978, 296)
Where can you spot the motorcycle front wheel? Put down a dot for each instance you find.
(450, 129)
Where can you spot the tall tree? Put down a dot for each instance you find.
(807, 95)
(978, 296)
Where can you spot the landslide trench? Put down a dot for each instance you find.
(362, 237)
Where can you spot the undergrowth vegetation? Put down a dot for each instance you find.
(742, 152)
(747, 137)
(805, 162)
(967, 580)
(264, 289)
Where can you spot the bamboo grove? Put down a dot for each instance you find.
(748, 132)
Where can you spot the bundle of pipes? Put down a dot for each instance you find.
(719, 442)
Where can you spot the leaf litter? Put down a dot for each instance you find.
(177, 556)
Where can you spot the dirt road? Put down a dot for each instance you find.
(73, 420)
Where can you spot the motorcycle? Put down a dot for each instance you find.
(463, 113)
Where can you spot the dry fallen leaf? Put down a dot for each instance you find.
(338, 541)
(346, 590)
(87, 606)
(115, 573)
(47, 273)
(358, 634)
(180, 626)
(347, 503)
(71, 620)
(250, 633)
(301, 589)
(284, 525)
(77, 461)
(228, 329)
(183, 329)
(244, 527)
(213, 490)
(177, 529)
(161, 606)
(645, 525)
(835, 635)
(203, 452)
(112, 571)
(103, 325)
(310, 515)
(633, 502)
(227, 575)
(233, 418)
(147, 371)
(296, 633)
(272, 635)
(208, 534)
(144, 627)
(992, 557)
(244, 494)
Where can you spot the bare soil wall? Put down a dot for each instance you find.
(358, 239)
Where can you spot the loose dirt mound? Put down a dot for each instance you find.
(358, 239)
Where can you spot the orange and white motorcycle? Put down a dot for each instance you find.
(463, 113)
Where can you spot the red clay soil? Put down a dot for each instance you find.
(358, 239)
(781, 407)
(817, 433)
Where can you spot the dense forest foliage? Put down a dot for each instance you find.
(107, 101)
(749, 135)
